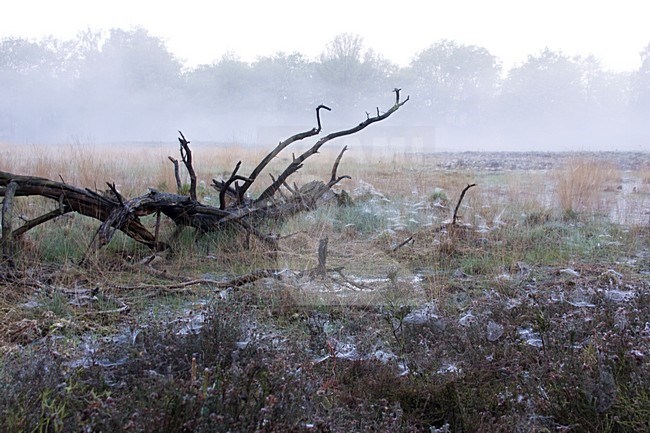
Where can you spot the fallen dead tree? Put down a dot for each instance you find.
(236, 208)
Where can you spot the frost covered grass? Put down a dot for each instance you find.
(540, 350)
(522, 317)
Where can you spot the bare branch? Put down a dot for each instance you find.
(40, 220)
(186, 156)
(297, 163)
(401, 244)
(116, 193)
(79, 200)
(324, 107)
(234, 283)
(462, 194)
(292, 189)
(177, 175)
(157, 229)
(280, 147)
(322, 257)
(118, 213)
(334, 179)
(272, 241)
(224, 187)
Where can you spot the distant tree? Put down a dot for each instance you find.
(641, 83)
(607, 94)
(564, 101)
(22, 57)
(350, 72)
(33, 84)
(284, 78)
(221, 99)
(455, 84)
(221, 86)
(133, 61)
(283, 84)
(24, 65)
(548, 85)
(132, 80)
(342, 60)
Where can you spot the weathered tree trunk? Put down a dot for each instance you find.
(83, 201)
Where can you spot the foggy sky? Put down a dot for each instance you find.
(127, 85)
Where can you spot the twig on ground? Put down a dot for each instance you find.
(123, 309)
(218, 284)
(401, 244)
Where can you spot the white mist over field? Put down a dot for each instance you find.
(129, 84)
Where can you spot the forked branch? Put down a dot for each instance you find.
(334, 179)
(280, 147)
(224, 187)
(296, 164)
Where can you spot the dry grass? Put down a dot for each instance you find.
(133, 167)
(274, 355)
(413, 183)
(581, 185)
(644, 180)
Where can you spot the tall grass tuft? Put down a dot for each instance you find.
(581, 183)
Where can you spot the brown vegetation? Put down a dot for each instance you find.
(519, 317)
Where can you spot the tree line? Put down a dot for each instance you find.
(125, 85)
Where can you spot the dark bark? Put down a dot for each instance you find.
(82, 201)
(177, 174)
(186, 156)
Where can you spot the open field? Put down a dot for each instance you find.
(532, 314)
